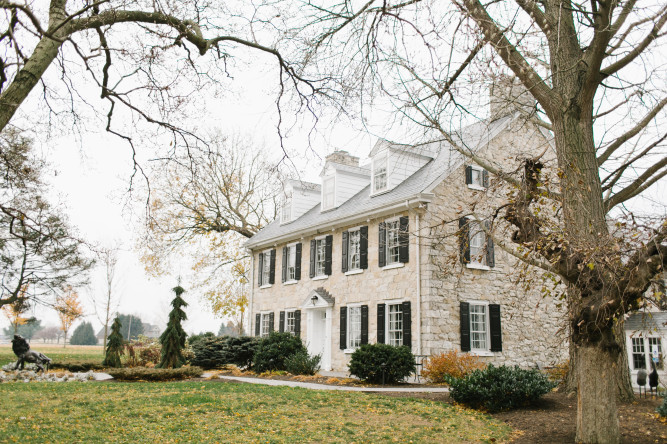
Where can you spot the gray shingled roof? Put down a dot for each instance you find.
(649, 321)
(422, 181)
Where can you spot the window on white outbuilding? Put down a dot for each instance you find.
(638, 355)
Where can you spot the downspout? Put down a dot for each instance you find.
(419, 285)
(252, 293)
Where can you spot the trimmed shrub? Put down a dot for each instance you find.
(301, 363)
(500, 388)
(452, 364)
(377, 363)
(193, 339)
(212, 352)
(662, 409)
(272, 351)
(78, 366)
(155, 374)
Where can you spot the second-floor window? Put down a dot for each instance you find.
(355, 249)
(477, 177)
(320, 256)
(266, 268)
(393, 242)
(291, 270)
(476, 247)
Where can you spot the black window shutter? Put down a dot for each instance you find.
(297, 267)
(407, 324)
(284, 276)
(272, 268)
(494, 326)
(464, 240)
(382, 244)
(297, 323)
(327, 254)
(344, 255)
(381, 308)
(258, 323)
(363, 247)
(312, 258)
(468, 175)
(485, 178)
(403, 240)
(281, 322)
(465, 326)
(364, 324)
(343, 328)
(260, 268)
(490, 258)
(271, 319)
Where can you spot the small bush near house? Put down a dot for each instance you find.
(272, 351)
(212, 352)
(301, 363)
(155, 374)
(662, 409)
(499, 388)
(452, 364)
(377, 363)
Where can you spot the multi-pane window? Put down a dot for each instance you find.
(320, 257)
(393, 250)
(395, 324)
(290, 322)
(477, 244)
(380, 174)
(328, 194)
(656, 344)
(286, 212)
(354, 327)
(291, 263)
(476, 177)
(478, 327)
(266, 267)
(354, 250)
(265, 325)
(638, 355)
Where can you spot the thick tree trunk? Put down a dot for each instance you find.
(597, 419)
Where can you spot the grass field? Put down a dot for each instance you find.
(72, 353)
(222, 412)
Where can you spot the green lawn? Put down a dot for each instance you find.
(72, 353)
(221, 412)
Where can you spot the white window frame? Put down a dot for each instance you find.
(286, 327)
(264, 327)
(378, 163)
(320, 266)
(286, 210)
(636, 343)
(349, 346)
(645, 343)
(480, 174)
(395, 258)
(477, 236)
(353, 268)
(328, 193)
(291, 263)
(388, 330)
(480, 351)
(266, 268)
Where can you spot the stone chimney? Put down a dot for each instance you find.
(508, 95)
(342, 158)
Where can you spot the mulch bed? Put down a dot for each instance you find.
(552, 419)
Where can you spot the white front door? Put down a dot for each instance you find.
(319, 331)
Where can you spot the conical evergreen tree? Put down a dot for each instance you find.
(114, 346)
(173, 338)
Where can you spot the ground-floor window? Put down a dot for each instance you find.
(395, 324)
(644, 350)
(354, 327)
(290, 322)
(266, 324)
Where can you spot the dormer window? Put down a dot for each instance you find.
(286, 211)
(380, 174)
(328, 193)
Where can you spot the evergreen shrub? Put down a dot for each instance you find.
(451, 364)
(212, 352)
(377, 363)
(155, 374)
(272, 351)
(193, 339)
(301, 363)
(662, 409)
(83, 335)
(500, 388)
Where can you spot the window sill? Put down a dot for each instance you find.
(392, 266)
(319, 278)
(379, 192)
(482, 353)
(352, 272)
(476, 266)
(290, 282)
(476, 187)
(349, 351)
(266, 286)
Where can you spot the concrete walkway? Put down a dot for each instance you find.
(343, 388)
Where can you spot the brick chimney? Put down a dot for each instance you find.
(342, 158)
(508, 95)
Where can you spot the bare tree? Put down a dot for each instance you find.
(203, 206)
(108, 304)
(596, 73)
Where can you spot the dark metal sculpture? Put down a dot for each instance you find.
(21, 349)
(641, 381)
(653, 378)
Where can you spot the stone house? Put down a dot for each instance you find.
(364, 257)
